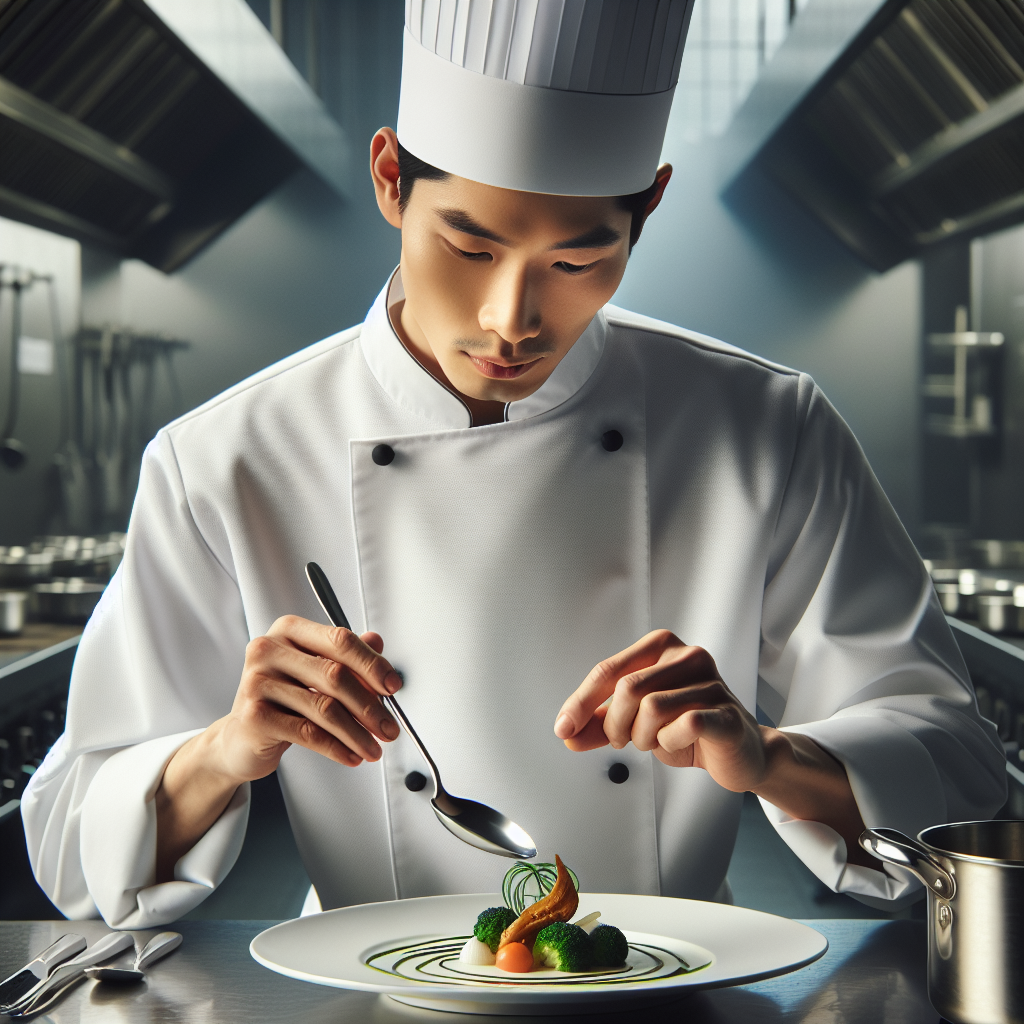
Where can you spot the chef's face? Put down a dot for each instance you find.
(499, 284)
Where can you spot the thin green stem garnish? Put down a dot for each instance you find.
(526, 883)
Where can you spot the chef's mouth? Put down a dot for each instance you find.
(498, 371)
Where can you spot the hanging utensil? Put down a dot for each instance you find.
(67, 457)
(12, 451)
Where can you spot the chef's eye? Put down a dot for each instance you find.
(479, 256)
(573, 268)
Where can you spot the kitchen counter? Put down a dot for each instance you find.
(34, 637)
(873, 972)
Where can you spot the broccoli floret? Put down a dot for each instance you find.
(564, 947)
(610, 946)
(491, 923)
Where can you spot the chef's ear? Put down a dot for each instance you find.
(384, 172)
(661, 179)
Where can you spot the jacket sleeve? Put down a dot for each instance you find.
(857, 655)
(159, 660)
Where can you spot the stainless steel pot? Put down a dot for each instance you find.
(19, 567)
(12, 612)
(1000, 613)
(998, 554)
(949, 597)
(70, 600)
(974, 874)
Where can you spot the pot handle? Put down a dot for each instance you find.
(894, 847)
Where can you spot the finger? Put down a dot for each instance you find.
(287, 728)
(659, 707)
(633, 688)
(592, 735)
(374, 641)
(276, 658)
(600, 683)
(324, 712)
(709, 724)
(340, 645)
(677, 759)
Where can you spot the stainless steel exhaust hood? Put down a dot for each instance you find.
(149, 127)
(915, 134)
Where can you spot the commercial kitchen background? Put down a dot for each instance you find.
(729, 254)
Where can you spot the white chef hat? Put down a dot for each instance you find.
(569, 97)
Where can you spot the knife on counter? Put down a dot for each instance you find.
(39, 969)
(71, 971)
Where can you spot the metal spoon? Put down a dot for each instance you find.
(157, 947)
(474, 823)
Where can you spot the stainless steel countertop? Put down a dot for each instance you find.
(874, 972)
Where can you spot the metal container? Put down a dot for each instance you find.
(107, 558)
(21, 568)
(998, 554)
(12, 611)
(949, 597)
(998, 614)
(968, 586)
(974, 874)
(68, 600)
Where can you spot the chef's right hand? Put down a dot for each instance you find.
(302, 683)
(313, 685)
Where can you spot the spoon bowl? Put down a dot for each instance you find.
(157, 947)
(118, 975)
(483, 827)
(474, 823)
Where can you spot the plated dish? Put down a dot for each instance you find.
(650, 957)
(532, 938)
(410, 950)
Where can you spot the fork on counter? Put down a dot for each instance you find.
(51, 988)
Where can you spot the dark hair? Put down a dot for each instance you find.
(412, 168)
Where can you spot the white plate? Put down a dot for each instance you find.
(349, 948)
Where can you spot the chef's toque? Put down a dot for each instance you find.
(569, 97)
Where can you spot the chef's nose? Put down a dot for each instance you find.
(509, 308)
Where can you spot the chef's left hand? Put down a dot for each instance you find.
(668, 698)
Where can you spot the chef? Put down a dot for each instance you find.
(585, 544)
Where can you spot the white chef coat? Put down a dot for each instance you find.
(500, 563)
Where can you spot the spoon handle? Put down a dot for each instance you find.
(332, 608)
(393, 706)
(326, 596)
(157, 947)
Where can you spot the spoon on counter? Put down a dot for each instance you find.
(157, 947)
(474, 823)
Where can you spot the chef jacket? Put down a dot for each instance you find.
(500, 564)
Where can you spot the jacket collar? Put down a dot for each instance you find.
(408, 384)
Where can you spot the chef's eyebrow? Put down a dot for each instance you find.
(459, 220)
(601, 237)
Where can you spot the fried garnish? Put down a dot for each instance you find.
(559, 905)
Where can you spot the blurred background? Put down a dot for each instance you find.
(184, 199)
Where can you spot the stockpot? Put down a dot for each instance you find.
(21, 568)
(12, 611)
(974, 874)
(67, 600)
(1002, 613)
